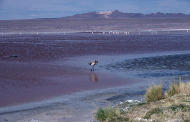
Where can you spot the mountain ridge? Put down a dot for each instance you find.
(118, 14)
(100, 21)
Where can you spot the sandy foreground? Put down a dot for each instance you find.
(41, 84)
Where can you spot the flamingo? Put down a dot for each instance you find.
(93, 63)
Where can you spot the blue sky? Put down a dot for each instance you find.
(25, 9)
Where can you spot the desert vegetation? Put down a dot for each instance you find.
(170, 105)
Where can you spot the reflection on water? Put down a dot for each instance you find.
(93, 77)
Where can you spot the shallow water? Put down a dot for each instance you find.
(176, 65)
(180, 62)
(78, 107)
(148, 65)
(146, 68)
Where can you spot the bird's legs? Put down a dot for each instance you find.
(92, 68)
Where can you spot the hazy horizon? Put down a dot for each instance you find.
(60, 8)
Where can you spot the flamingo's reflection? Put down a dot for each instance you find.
(93, 77)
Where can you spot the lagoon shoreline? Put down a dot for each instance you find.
(35, 75)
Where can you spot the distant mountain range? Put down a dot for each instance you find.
(117, 14)
(99, 21)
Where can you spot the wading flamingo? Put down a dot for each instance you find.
(93, 63)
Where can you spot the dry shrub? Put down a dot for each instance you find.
(174, 89)
(185, 88)
(179, 88)
(154, 93)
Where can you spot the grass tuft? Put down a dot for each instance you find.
(100, 115)
(174, 89)
(110, 115)
(179, 88)
(154, 93)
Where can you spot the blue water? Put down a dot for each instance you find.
(177, 65)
